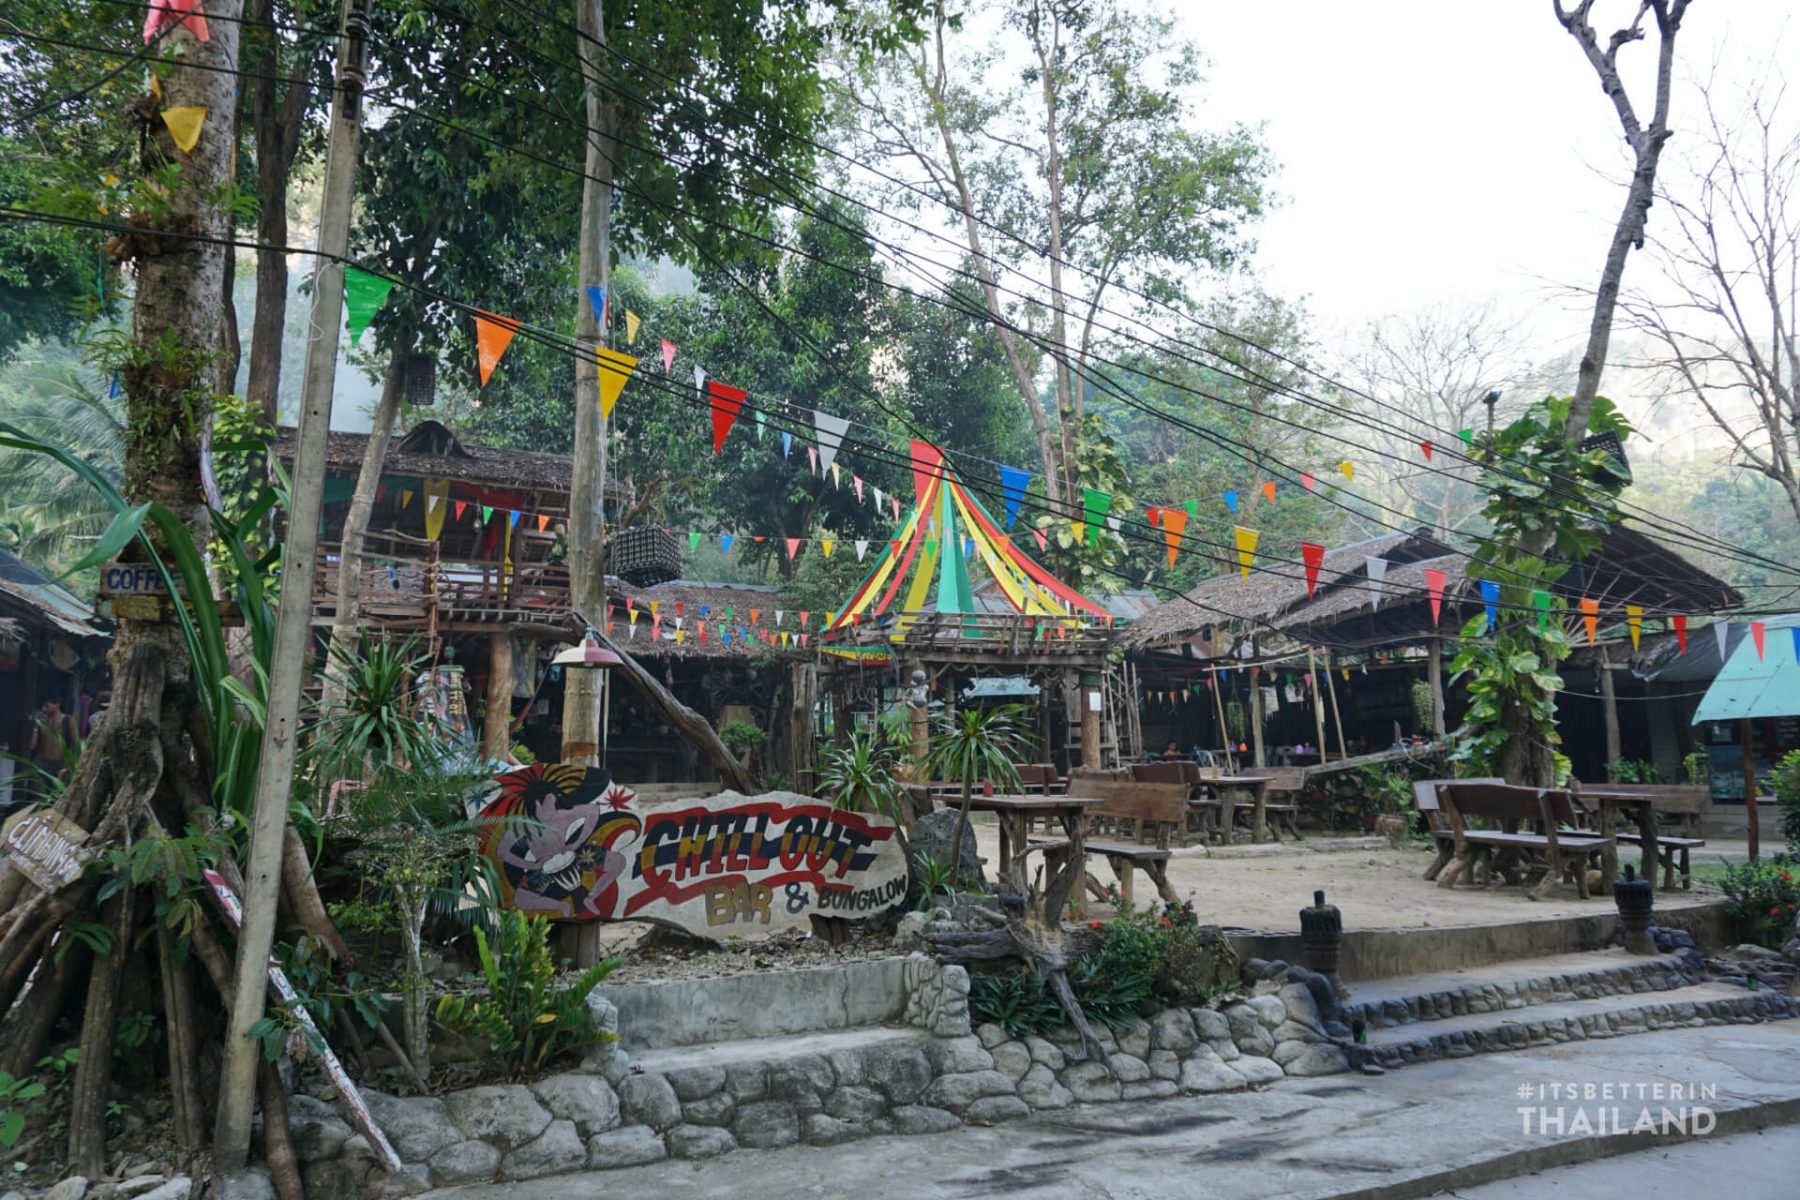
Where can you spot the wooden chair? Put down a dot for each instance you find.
(1158, 807)
(1556, 846)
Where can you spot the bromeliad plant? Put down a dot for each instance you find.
(973, 747)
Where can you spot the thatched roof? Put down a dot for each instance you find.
(30, 598)
(1233, 601)
(1356, 611)
(431, 451)
(692, 603)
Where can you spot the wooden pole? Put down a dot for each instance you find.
(1256, 716)
(1312, 670)
(1336, 714)
(1224, 729)
(293, 624)
(1746, 739)
(1090, 719)
(1434, 671)
(496, 721)
(1609, 708)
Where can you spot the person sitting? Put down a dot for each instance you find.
(1172, 752)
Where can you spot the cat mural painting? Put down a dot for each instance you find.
(571, 844)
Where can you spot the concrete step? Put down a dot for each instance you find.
(1517, 984)
(774, 1050)
(1602, 1016)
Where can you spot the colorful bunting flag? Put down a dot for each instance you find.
(1376, 570)
(830, 431)
(1634, 621)
(1245, 540)
(1426, 447)
(727, 402)
(493, 334)
(825, 545)
(693, 541)
(1231, 501)
(1307, 481)
(787, 444)
(597, 297)
(1541, 602)
(668, 353)
(725, 543)
(1434, 587)
(812, 459)
(1490, 601)
(1757, 630)
(793, 545)
(857, 483)
(1174, 523)
(1013, 483)
(862, 548)
(1590, 616)
(1467, 436)
(1268, 491)
(632, 321)
(1042, 541)
(1349, 470)
(185, 124)
(1312, 554)
(615, 369)
(1680, 624)
(363, 297)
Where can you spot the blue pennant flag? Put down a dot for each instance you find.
(724, 543)
(704, 609)
(597, 297)
(1490, 596)
(968, 549)
(787, 445)
(513, 517)
(1231, 501)
(728, 637)
(1014, 482)
(112, 392)
(1796, 632)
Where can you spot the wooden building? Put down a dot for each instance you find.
(52, 647)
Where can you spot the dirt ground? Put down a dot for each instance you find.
(1263, 888)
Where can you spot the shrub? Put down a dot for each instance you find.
(1762, 898)
(1787, 795)
(1015, 1000)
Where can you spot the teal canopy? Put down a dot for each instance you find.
(1750, 686)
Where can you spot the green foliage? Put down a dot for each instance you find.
(1762, 898)
(857, 773)
(377, 727)
(528, 1015)
(741, 735)
(1385, 790)
(1015, 1000)
(50, 275)
(1697, 766)
(1786, 782)
(1116, 984)
(1633, 770)
(13, 1094)
(980, 745)
(1424, 704)
(51, 513)
(934, 882)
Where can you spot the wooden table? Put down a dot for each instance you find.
(1611, 805)
(1233, 790)
(1014, 813)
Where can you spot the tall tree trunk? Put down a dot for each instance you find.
(1047, 35)
(276, 127)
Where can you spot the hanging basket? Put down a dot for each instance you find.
(644, 556)
(418, 380)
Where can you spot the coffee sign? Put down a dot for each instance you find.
(45, 846)
(569, 843)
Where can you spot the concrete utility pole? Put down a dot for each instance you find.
(587, 489)
(293, 625)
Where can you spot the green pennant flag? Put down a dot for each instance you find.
(1095, 503)
(1468, 437)
(1541, 602)
(487, 513)
(693, 541)
(363, 297)
(1193, 509)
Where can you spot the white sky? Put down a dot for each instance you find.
(1445, 149)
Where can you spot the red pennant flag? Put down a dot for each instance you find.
(1307, 481)
(1153, 515)
(679, 606)
(1590, 616)
(805, 618)
(460, 505)
(727, 402)
(1434, 585)
(1268, 491)
(493, 334)
(1680, 624)
(1313, 555)
(803, 641)
(894, 548)
(1426, 447)
(1756, 635)
(703, 633)
(793, 545)
(1042, 541)
(925, 461)
(668, 349)
(655, 625)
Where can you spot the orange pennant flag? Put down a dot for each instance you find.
(493, 334)
(1590, 616)
(543, 522)
(1268, 490)
(1174, 522)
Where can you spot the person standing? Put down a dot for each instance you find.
(53, 736)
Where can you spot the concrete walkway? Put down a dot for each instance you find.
(1750, 1166)
(1418, 1132)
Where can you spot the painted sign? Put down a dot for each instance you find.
(571, 844)
(45, 846)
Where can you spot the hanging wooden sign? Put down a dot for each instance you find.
(569, 843)
(45, 846)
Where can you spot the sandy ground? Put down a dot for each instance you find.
(1264, 887)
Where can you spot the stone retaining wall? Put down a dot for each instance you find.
(779, 1093)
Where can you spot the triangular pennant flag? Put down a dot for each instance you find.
(693, 540)
(1094, 504)
(793, 545)
(1268, 491)
(727, 402)
(1230, 501)
(1042, 541)
(632, 321)
(812, 459)
(1757, 630)
(1590, 616)
(1013, 483)
(1722, 632)
(487, 512)
(755, 613)
(894, 549)
(615, 369)
(1434, 587)
(862, 548)
(856, 482)
(825, 545)
(1634, 621)
(1541, 602)
(1490, 601)
(185, 125)
(805, 618)
(779, 614)
(1349, 470)
(1307, 481)
(1174, 522)
(543, 522)
(493, 334)
(1680, 624)
(405, 497)
(1467, 436)
(1426, 447)
(831, 432)
(724, 543)
(787, 444)
(1245, 540)
(880, 500)
(837, 479)
(668, 353)
(363, 296)
(894, 503)
(1312, 554)
(512, 518)
(165, 12)
(597, 297)
(1154, 516)
(460, 505)
(699, 379)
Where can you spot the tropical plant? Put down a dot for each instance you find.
(376, 727)
(975, 746)
(15, 1092)
(934, 881)
(1697, 766)
(1762, 898)
(1015, 1000)
(857, 773)
(528, 1015)
(1424, 704)
(51, 512)
(1786, 782)
(1632, 770)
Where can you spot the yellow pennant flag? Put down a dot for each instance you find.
(1349, 470)
(437, 504)
(184, 126)
(632, 321)
(405, 498)
(615, 369)
(1246, 547)
(826, 544)
(1634, 620)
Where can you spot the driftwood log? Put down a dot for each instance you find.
(687, 723)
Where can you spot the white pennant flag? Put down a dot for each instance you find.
(1377, 571)
(831, 432)
(1112, 523)
(837, 480)
(700, 380)
(778, 616)
(1722, 631)
(862, 548)
(877, 499)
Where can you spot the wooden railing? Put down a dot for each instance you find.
(1001, 634)
(406, 585)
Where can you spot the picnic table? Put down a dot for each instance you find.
(1234, 790)
(1611, 805)
(1015, 813)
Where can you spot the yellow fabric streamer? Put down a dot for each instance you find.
(184, 126)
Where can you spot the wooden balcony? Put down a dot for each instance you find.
(407, 584)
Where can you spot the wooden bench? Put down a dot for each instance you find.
(1289, 781)
(1041, 779)
(1425, 799)
(1687, 804)
(1157, 807)
(1559, 848)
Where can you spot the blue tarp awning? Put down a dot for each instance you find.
(1751, 686)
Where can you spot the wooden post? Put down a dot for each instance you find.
(1434, 671)
(1218, 694)
(1312, 669)
(1090, 719)
(1609, 708)
(1256, 717)
(496, 722)
(1747, 740)
(1336, 714)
